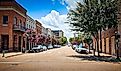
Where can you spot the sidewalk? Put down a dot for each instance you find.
(101, 54)
(11, 54)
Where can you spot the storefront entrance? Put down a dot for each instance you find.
(19, 43)
(4, 42)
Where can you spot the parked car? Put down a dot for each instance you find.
(69, 45)
(74, 46)
(82, 50)
(57, 46)
(50, 46)
(44, 48)
(37, 48)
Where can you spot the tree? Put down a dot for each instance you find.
(88, 40)
(71, 40)
(92, 16)
(63, 40)
(30, 35)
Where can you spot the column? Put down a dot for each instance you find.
(0, 43)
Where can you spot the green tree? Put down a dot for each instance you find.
(71, 40)
(88, 39)
(92, 16)
(63, 40)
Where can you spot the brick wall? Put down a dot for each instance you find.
(7, 29)
(38, 27)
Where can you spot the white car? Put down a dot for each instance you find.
(69, 45)
(81, 49)
(44, 48)
(37, 48)
(74, 46)
(50, 46)
(57, 46)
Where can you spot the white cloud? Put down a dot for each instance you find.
(70, 4)
(55, 21)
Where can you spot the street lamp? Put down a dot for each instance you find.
(117, 36)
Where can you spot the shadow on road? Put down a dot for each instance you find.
(96, 58)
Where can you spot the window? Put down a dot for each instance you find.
(26, 25)
(20, 22)
(15, 20)
(5, 19)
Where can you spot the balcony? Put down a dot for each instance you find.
(19, 28)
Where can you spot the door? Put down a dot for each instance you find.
(4, 42)
(27, 44)
(110, 48)
(19, 45)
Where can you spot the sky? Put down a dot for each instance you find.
(51, 13)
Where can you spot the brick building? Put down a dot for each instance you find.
(58, 34)
(108, 38)
(12, 25)
(38, 27)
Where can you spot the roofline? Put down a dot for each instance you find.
(14, 2)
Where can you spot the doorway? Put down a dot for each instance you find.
(19, 43)
(4, 42)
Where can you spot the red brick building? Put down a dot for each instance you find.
(12, 25)
(108, 38)
(109, 41)
(38, 27)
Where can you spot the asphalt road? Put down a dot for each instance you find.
(60, 59)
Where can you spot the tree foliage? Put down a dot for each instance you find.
(63, 40)
(94, 15)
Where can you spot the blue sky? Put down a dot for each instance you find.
(40, 8)
(51, 13)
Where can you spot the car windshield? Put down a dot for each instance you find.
(80, 46)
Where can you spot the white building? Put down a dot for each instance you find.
(44, 31)
(49, 32)
(58, 33)
(30, 23)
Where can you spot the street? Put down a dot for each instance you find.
(60, 59)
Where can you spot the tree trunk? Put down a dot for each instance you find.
(93, 48)
(89, 48)
(97, 40)
(101, 40)
(98, 47)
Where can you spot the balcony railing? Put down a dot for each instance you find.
(19, 28)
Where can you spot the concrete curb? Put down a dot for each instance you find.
(8, 55)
